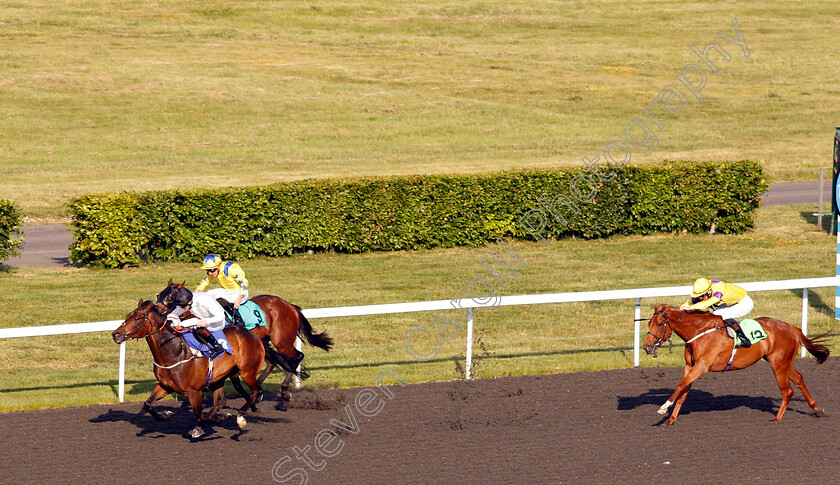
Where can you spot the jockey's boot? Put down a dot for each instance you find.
(237, 318)
(745, 342)
(228, 307)
(206, 337)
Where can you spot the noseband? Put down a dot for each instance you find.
(661, 340)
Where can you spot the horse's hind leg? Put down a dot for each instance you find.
(264, 374)
(797, 379)
(218, 401)
(250, 378)
(237, 384)
(783, 377)
(157, 394)
(284, 388)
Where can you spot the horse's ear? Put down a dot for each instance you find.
(182, 285)
(140, 303)
(170, 282)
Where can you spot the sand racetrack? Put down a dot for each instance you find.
(588, 427)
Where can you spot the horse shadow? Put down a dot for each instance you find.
(182, 421)
(699, 401)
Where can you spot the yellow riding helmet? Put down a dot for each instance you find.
(212, 261)
(701, 286)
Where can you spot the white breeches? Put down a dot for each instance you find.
(737, 310)
(229, 295)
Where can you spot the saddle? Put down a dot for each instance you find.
(204, 349)
(251, 313)
(752, 329)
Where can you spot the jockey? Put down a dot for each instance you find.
(234, 288)
(206, 312)
(724, 299)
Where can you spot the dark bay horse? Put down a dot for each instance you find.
(708, 348)
(177, 370)
(284, 323)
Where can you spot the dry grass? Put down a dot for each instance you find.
(144, 95)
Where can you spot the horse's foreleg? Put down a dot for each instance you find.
(157, 394)
(195, 398)
(678, 404)
(691, 375)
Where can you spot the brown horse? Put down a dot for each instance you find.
(284, 323)
(177, 370)
(708, 348)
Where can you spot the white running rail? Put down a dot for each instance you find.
(424, 306)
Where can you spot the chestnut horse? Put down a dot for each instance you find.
(708, 348)
(177, 370)
(284, 323)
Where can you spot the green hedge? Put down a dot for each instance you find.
(10, 235)
(412, 212)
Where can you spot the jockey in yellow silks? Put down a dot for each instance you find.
(234, 288)
(724, 299)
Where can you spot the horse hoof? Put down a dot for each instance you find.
(240, 421)
(286, 395)
(662, 411)
(197, 432)
(166, 414)
(818, 413)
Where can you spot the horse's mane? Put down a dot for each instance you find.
(690, 312)
(154, 307)
(695, 312)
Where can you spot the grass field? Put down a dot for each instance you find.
(118, 95)
(82, 369)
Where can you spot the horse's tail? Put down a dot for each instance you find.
(816, 346)
(320, 340)
(287, 364)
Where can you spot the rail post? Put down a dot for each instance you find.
(121, 386)
(804, 315)
(468, 366)
(637, 331)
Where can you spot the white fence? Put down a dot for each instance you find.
(425, 306)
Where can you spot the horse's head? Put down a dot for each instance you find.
(659, 329)
(168, 296)
(141, 322)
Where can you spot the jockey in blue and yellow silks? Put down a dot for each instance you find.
(234, 288)
(724, 299)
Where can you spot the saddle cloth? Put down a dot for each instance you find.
(205, 349)
(251, 314)
(752, 329)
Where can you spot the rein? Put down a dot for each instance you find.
(163, 341)
(661, 340)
